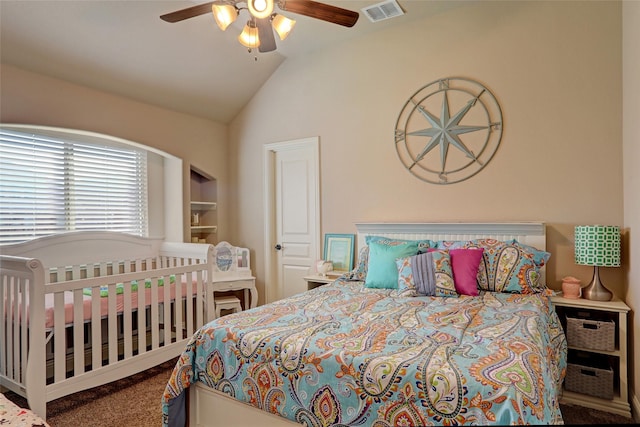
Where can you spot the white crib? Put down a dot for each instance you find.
(131, 302)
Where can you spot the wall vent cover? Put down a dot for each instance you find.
(384, 10)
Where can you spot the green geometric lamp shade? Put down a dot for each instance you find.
(597, 245)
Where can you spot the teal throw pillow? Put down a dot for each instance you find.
(382, 272)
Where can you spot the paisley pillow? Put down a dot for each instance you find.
(426, 274)
(509, 266)
(359, 272)
(423, 245)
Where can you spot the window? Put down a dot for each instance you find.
(53, 182)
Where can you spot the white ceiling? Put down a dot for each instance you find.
(123, 47)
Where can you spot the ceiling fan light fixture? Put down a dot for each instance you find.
(260, 8)
(283, 25)
(224, 14)
(249, 36)
(263, 21)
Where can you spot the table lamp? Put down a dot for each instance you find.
(599, 246)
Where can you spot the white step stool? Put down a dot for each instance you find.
(227, 303)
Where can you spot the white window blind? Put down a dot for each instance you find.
(50, 185)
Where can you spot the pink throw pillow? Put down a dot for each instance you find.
(465, 264)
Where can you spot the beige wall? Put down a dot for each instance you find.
(555, 68)
(631, 151)
(28, 98)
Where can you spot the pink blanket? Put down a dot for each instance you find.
(104, 303)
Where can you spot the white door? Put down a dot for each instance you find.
(292, 216)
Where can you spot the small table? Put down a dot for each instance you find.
(617, 311)
(317, 280)
(235, 283)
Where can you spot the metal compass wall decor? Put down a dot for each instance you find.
(448, 130)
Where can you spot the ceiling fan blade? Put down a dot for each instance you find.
(187, 13)
(265, 33)
(323, 11)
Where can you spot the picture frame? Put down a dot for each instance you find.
(339, 249)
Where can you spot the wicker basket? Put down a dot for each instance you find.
(591, 333)
(589, 374)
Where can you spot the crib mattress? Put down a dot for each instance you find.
(69, 299)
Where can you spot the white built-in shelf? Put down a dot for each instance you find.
(209, 228)
(203, 206)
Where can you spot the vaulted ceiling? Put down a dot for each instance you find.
(123, 47)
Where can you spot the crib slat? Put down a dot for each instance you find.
(112, 322)
(13, 362)
(179, 320)
(154, 320)
(78, 325)
(178, 305)
(59, 343)
(142, 316)
(23, 303)
(167, 310)
(4, 279)
(78, 333)
(127, 324)
(188, 283)
(200, 299)
(96, 324)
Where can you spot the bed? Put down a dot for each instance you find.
(438, 324)
(82, 309)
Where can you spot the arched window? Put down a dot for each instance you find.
(57, 180)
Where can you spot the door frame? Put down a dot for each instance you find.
(269, 182)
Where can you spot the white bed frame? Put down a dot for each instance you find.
(41, 363)
(210, 408)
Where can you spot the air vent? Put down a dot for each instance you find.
(384, 10)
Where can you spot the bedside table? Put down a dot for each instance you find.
(612, 311)
(317, 280)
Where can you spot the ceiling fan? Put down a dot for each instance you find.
(258, 32)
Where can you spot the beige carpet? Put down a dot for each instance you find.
(136, 402)
(131, 402)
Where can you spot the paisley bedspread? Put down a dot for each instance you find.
(346, 355)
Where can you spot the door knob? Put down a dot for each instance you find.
(278, 246)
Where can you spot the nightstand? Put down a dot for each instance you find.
(317, 280)
(610, 311)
